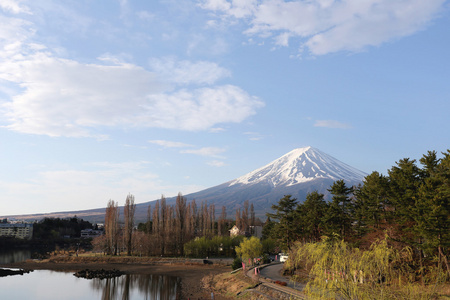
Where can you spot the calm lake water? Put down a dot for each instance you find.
(44, 284)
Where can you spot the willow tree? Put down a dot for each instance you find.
(249, 248)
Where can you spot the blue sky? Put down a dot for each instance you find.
(99, 99)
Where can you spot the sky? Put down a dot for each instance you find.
(101, 99)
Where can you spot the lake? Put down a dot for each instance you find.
(44, 284)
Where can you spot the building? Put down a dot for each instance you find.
(256, 231)
(235, 231)
(90, 233)
(19, 231)
(253, 231)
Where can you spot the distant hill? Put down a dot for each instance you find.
(297, 173)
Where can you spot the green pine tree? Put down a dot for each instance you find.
(284, 215)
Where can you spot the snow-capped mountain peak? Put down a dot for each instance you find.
(299, 166)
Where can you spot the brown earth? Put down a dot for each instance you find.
(191, 272)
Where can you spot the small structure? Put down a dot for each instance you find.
(256, 231)
(20, 231)
(235, 231)
(253, 231)
(90, 233)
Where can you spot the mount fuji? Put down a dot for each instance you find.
(296, 173)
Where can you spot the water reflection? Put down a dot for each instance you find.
(128, 287)
(8, 257)
(49, 285)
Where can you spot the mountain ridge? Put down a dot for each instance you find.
(297, 173)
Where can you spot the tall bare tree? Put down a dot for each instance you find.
(112, 227)
(156, 246)
(162, 224)
(252, 218)
(148, 225)
(180, 220)
(244, 218)
(129, 210)
(212, 219)
(238, 219)
(221, 224)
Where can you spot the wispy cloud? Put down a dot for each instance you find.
(14, 7)
(206, 151)
(332, 124)
(326, 26)
(254, 136)
(217, 129)
(91, 189)
(217, 163)
(170, 144)
(187, 72)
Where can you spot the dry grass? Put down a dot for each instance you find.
(229, 285)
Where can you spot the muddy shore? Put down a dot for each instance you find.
(191, 272)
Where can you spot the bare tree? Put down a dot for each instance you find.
(148, 225)
(212, 219)
(244, 217)
(180, 230)
(112, 227)
(129, 210)
(222, 220)
(162, 224)
(156, 246)
(238, 219)
(252, 218)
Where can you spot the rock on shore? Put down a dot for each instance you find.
(9, 272)
(101, 274)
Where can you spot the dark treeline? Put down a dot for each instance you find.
(55, 228)
(50, 234)
(410, 205)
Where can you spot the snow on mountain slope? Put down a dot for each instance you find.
(299, 166)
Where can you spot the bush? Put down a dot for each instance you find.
(237, 263)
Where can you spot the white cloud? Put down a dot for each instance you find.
(254, 136)
(170, 144)
(205, 151)
(62, 97)
(217, 130)
(332, 124)
(186, 72)
(199, 109)
(14, 6)
(325, 26)
(216, 163)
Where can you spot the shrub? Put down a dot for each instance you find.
(237, 263)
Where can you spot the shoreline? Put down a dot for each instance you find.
(191, 272)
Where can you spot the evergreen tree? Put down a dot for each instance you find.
(404, 183)
(339, 215)
(433, 208)
(284, 214)
(371, 203)
(314, 209)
